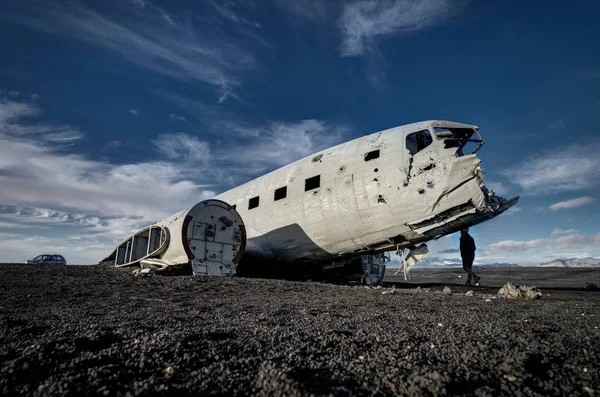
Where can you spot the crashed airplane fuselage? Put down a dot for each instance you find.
(390, 190)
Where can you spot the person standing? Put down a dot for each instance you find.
(467, 252)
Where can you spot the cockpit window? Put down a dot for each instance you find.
(460, 138)
(418, 141)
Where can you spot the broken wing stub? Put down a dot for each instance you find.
(410, 257)
(210, 236)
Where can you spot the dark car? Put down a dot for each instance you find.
(48, 260)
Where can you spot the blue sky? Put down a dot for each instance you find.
(116, 114)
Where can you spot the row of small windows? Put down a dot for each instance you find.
(309, 184)
(281, 193)
(415, 142)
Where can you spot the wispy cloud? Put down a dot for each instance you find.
(564, 169)
(512, 211)
(227, 11)
(18, 247)
(497, 187)
(309, 10)
(139, 3)
(250, 147)
(450, 251)
(11, 110)
(183, 147)
(185, 49)
(134, 112)
(560, 123)
(554, 242)
(364, 21)
(279, 143)
(578, 202)
(557, 232)
(175, 117)
(250, 150)
(37, 174)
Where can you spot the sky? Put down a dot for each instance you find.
(115, 114)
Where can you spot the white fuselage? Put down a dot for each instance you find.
(363, 199)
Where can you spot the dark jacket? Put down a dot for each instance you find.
(467, 246)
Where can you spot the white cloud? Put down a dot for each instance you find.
(557, 231)
(280, 143)
(42, 184)
(183, 147)
(363, 21)
(20, 247)
(553, 242)
(193, 49)
(512, 211)
(251, 148)
(11, 110)
(134, 112)
(226, 11)
(563, 169)
(557, 124)
(578, 202)
(168, 19)
(497, 187)
(175, 117)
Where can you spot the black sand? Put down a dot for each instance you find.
(100, 331)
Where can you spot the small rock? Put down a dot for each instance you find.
(510, 378)
(469, 293)
(361, 357)
(447, 290)
(589, 390)
(459, 276)
(440, 325)
(488, 300)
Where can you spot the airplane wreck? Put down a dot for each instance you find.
(337, 213)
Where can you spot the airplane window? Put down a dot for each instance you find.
(372, 155)
(418, 141)
(312, 183)
(281, 193)
(253, 203)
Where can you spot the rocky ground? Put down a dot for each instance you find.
(101, 331)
